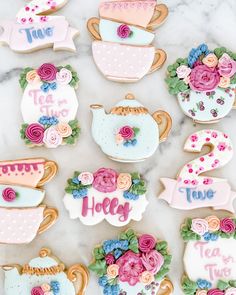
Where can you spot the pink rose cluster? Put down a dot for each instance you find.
(209, 73)
(44, 289)
(216, 291)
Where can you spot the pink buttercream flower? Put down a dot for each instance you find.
(35, 132)
(215, 292)
(152, 261)
(37, 291)
(47, 72)
(9, 194)
(183, 72)
(123, 31)
(199, 226)
(64, 77)
(126, 132)
(203, 78)
(227, 225)
(110, 259)
(52, 138)
(230, 291)
(130, 269)
(86, 178)
(146, 243)
(227, 66)
(105, 180)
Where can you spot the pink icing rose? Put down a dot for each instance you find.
(126, 132)
(227, 66)
(146, 243)
(35, 132)
(123, 31)
(47, 72)
(130, 269)
(230, 291)
(152, 261)
(227, 225)
(215, 292)
(203, 78)
(52, 138)
(37, 291)
(64, 76)
(183, 72)
(105, 180)
(110, 259)
(86, 178)
(199, 226)
(8, 194)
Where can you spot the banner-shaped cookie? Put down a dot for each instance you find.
(191, 190)
(106, 194)
(210, 257)
(49, 106)
(132, 264)
(34, 29)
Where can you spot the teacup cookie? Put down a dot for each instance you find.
(210, 257)
(204, 83)
(192, 190)
(49, 106)
(132, 264)
(129, 133)
(34, 28)
(45, 275)
(106, 194)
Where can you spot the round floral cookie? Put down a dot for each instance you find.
(204, 83)
(49, 106)
(209, 259)
(106, 194)
(45, 275)
(132, 264)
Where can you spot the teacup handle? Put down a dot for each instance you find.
(93, 27)
(74, 273)
(158, 117)
(160, 14)
(50, 168)
(160, 58)
(50, 216)
(166, 287)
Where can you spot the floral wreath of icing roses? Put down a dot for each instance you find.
(131, 259)
(47, 289)
(210, 228)
(203, 71)
(106, 180)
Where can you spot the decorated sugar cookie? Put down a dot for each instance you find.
(204, 83)
(49, 106)
(129, 133)
(106, 194)
(132, 264)
(210, 257)
(45, 275)
(192, 190)
(34, 28)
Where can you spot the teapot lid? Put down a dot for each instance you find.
(43, 265)
(129, 106)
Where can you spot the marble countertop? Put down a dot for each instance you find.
(189, 24)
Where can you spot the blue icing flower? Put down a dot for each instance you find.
(45, 87)
(130, 196)
(134, 142)
(204, 284)
(55, 287)
(207, 236)
(115, 289)
(75, 180)
(195, 53)
(107, 290)
(117, 253)
(45, 120)
(102, 281)
(124, 245)
(80, 193)
(214, 237)
(53, 85)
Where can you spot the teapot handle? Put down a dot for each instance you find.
(93, 27)
(50, 168)
(74, 273)
(50, 215)
(158, 117)
(160, 14)
(166, 287)
(159, 59)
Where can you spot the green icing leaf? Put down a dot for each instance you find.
(233, 79)
(222, 285)
(98, 253)
(162, 245)
(23, 82)
(232, 283)
(162, 273)
(189, 287)
(133, 244)
(99, 267)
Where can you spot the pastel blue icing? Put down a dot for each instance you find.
(108, 32)
(27, 197)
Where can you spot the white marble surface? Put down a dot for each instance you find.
(189, 23)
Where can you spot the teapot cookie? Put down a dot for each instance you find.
(114, 262)
(204, 83)
(210, 257)
(129, 133)
(45, 275)
(49, 106)
(34, 28)
(106, 194)
(192, 190)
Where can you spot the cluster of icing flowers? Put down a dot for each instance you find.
(131, 259)
(9, 194)
(202, 71)
(49, 76)
(209, 229)
(204, 287)
(126, 135)
(50, 132)
(47, 289)
(106, 180)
